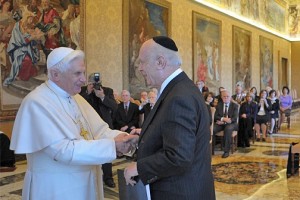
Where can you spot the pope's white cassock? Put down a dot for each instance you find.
(62, 164)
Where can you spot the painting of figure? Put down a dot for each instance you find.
(260, 11)
(266, 62)
(30, 29)
(293, 21)
(241, 57)
(143, 19)
(207, 50)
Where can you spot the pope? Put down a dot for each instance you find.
(63, 137)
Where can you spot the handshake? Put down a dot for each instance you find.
(126, 144)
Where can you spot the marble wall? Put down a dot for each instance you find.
(103, 41)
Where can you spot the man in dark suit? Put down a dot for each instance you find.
(102, 100)
(201, 85)
(226, 116)
(238, 97)
(127, 114)
(145, 109)
(174, 156)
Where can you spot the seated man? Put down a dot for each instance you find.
(226, 119)
(144, 97)
(201, 85)
(145, 109)
(238, 96)
(127, 114)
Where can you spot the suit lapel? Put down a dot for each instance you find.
(172, 83)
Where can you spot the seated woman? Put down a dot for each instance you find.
(254, 91)
(274, 109)
(285, 102)
(209, 97)
(247, 116)
(263, 115)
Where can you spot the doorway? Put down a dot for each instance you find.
(283, 76)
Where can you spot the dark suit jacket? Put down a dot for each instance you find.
(275, 108)
(131, 119)
(145, 110)
(105, 108)
(267, 109)
(205, 89)
(249, 109)
(174, 154)
(232, 112)
(234, 97)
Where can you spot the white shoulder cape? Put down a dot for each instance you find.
(42, 121)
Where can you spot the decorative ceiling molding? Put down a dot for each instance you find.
(283, 3)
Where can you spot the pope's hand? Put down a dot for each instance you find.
(125, 143)
(130, 172)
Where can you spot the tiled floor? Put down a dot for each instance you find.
(258, 172)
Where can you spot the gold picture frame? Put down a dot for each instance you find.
(266, 62)
(12, 94)
(241, 50)
(142, 20)
(207, 34)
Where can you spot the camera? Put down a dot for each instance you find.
(97, 83)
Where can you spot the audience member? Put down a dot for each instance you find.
(144, 97)
(201, 85)
(262, 116)
(149, 106)
(238, 97)
(247, 116)
(209, 97)
(154, 90)
(117, 97)
(225, 119)
(218, 98)
(268, 89)
(102, 100)
(127, 114)
(253, 90)
(274, 109)
(7, 156)
(286, 102)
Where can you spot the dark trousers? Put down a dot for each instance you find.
(289, 167)
(7, 156)
(228, 129)
(107, 171)
(245, 131)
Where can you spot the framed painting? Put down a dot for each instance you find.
(241, 57)
(142, 20)
(31, 28)
(207, 50)
(266, 62)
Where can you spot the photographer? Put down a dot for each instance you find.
(102, 100)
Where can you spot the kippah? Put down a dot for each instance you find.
(166, 42)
